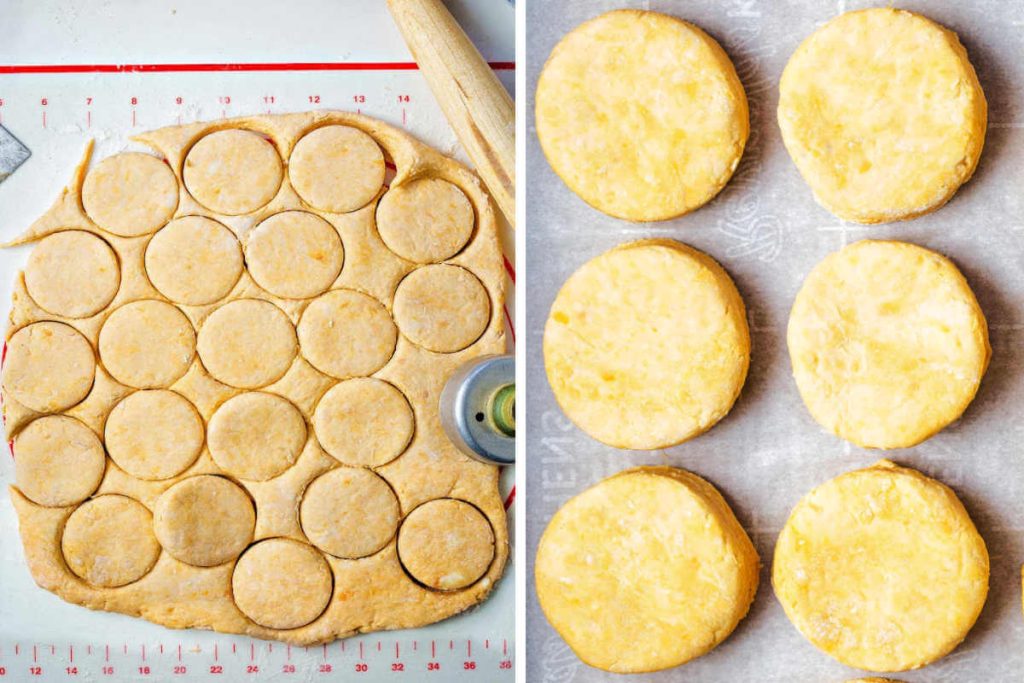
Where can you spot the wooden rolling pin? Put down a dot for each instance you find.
(477, 106)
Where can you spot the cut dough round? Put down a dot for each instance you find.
(154, 434)
(49, 367)
(882, 134)
(109, 541)
(888, 343)
(349, 320)
(256, 436)
(364, 422)
(446, 544)
(73, 274)
(349, 512)
(645, 570)
(336, 168)
(647, 345)
(442, 308)
(194, 261)
(641, 114)
(147, 344)
(426, 220)
(294, 254)
(233, 171)
(204, 520)
(881, 568)
(58, 461)
(281, 583)
(130, 194)
(247, 343)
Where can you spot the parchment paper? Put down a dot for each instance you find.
(767, 231)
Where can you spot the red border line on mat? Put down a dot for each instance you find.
(251, 66)
(511, 497)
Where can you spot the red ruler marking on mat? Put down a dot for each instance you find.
(249, 66)
(509, 269)
(511, 498)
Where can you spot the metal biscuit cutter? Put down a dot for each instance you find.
(477, 409)
(12, 153)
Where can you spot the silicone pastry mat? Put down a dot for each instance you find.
(767, 231)
(55, 113)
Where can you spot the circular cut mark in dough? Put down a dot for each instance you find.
(58, 461)
(204, 520)
(247, 343)
(442, 308)
(154, 434)
(888, 343)
(294, 254)
(641, 114)
(49, 367)
(72, 274)
(646, 570)
(130, 194)
(337, 168)
(280, 583)
(647, 345)
(446, 544)
(349, 512)
(256, 436)
(426, 220)
(364, 422)
(855, 578)
(108, 541)
(906, 152)
(194, 260)
(233, 171)
(147, 344)
(358, 324)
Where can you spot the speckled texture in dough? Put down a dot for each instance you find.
(154, 434)
(130, 194)
(73, 274)
(646, 570)
(349, 512)
(881, 568)
(425, 221)
(281, 585)
(446, 544)
(294, 254)
(336, 168)
(882, 134)
(442, 308)
(641, 114)
(888, 343)
(364, 422)
(647, 345)
(58, 461)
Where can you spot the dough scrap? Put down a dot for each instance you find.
(647, 345)
(154, 434)
(442, 308)
(294, 254)
(337, 168)
(109, 541)
(245, 335)
(364, 422)
(130, 194)
(194, 260)
(645, 570)
(72, 274)
(281, 583)
(882, 134)
(247, 343)
(49, 367)
(350, 320)
(888, 343)
(147, 344)
(256, 436)
(349, 512)
(881, 568)
(446, 544)
(426, 220)
(233, 171)
(641, 114)
(58, 461)
(204, 520)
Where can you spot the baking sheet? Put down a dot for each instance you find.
(43, 638)
(768, 233)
